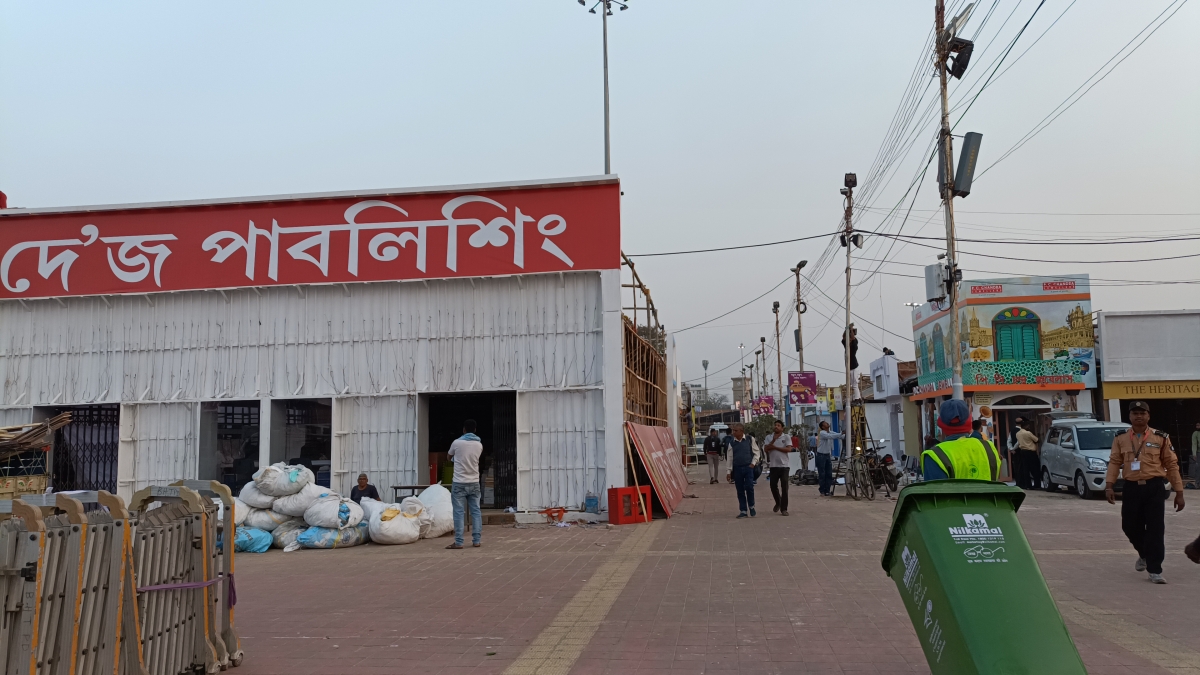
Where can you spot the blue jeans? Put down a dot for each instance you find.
(743, 479)
(462, 494)
(824, 472)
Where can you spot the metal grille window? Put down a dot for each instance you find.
(85, 451)
(237, 416)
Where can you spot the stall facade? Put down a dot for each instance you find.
(352, 332)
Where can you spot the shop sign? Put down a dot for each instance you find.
(989, 288)
(1176, 389)
(802, 387)
(763, 405)
(487, 232)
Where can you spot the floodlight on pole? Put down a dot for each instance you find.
(607, 5)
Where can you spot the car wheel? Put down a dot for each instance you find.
(1081, 487)
(1048, 484)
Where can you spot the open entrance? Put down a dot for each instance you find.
(85, 451)
(495, 416)
(307, 435)
(229, 435)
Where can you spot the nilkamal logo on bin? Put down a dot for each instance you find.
(976, 530)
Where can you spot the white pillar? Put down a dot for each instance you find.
(614, 382)
(1114, 410)
(264, 432)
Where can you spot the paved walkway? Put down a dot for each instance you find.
(699, 593)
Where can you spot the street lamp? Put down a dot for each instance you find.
(742, 347)
(607, 5)
(705, 364)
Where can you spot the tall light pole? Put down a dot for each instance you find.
(849, 239)
(763, 370)
(606, 12)
(750, 370)
(780, 406)
(800, 309)
(742, 349)
(705, 364)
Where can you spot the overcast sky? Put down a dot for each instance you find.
(733, 124)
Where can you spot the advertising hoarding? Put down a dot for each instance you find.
(802, 387)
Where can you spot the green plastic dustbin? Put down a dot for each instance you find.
(972, 587)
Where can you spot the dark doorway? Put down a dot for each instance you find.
(228, 442)
(1176, 417)
(85, 451)
(495, 416)
(308, 435)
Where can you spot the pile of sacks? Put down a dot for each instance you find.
(283, 507)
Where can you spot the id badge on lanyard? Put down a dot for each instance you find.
(1136, 464)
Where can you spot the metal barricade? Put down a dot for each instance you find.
(68, 587)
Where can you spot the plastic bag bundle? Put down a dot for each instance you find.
(441, 511)
(282, 479)
(264, 519)
(287, 532)
(253, 498)
(372, 507)
(251, 540)
(324, 537)
(399, 523)
(240, 509)
(334, 512)
(295, 505)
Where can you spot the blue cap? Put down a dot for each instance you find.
(954, 413)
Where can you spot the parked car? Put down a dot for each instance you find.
(1075, 453)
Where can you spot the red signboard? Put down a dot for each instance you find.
(489, 231)
(1058, 286)
(660, 455)
(984, 290)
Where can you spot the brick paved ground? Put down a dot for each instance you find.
(699, 593)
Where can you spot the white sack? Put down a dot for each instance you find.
(287, 532)
(264, 519)
(240, 509)
(333, 512)
(414, 507)
(372, 507)
(295, 505)
(437, 501)
(282, 479)
(397, 525)
(253, 498)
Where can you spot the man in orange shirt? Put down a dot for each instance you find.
(1145, 458)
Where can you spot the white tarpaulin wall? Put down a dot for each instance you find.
(158, 445)
(14, 416)
(375, 435)
(560, 447)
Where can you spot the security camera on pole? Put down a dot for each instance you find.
(941, 280)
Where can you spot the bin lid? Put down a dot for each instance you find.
(910, 495)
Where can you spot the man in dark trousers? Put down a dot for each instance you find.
(778, 445)
(712, 455)
(1143, 456)
(743, 456)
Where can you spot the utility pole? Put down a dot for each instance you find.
(750, 369)
(801, 308)
(705, 364)
(848, 240)
(607, 153)
(780, 406)
(763, 370)
(941, 54)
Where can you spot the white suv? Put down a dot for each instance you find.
(1075, 453)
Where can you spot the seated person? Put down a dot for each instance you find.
(364, 489)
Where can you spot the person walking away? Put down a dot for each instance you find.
(825, 439)
(976, 424)
(743, 456)
(712, 454)
(1143, 456)
(959, 455)
(464, 488)
(778, 445)
(1031, 463)
(364, 489)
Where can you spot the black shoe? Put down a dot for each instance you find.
(775, 508)
(742, 515)
(752, 511)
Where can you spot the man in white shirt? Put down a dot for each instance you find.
(778, 444)
(464, 489)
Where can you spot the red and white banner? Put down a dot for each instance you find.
(660, 455)
(470, 233)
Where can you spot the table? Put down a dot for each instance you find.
(411, 489)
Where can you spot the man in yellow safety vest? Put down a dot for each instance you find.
(959, 455)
